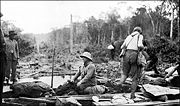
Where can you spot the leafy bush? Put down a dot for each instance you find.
(166, 50)
(26, 44)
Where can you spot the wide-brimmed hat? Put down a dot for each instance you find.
(110, 47)
(137, 29)
(12, 33)
(87, 55)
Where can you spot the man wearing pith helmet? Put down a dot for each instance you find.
(12, 52)
(87, 73)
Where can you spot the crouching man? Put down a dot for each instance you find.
(87, 73)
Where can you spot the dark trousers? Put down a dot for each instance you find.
(2, 71)
(131, 69)
(11, 65)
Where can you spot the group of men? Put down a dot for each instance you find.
(133, 43)
(9, 55)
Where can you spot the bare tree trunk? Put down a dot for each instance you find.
(62, 38)
(57, 39)
(128, 28)
(98, 37)
(159, 21)
(156, 27)
(112, 36)
(172, 18)
(178, 26)
(71, 36)
(152, 22)
(104, 40)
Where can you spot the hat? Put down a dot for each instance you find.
(87, 55)
(137, 29)
(12, 33)
(110, 47)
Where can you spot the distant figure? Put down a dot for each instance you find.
(132, 43)
(12, 52)
(115, 48)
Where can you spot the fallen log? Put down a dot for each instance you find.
(168, 103)
(41, 100)
(11, 104)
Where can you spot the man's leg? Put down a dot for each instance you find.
(125, 70)
(13, 76)
(112, 54)
(134, 86)
(134, 73)
(7, 71)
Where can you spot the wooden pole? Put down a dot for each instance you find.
(172, 18)
(178, 27)
(53, 65)
(71, 36)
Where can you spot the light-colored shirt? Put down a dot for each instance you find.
(12, 50)
(132, 42)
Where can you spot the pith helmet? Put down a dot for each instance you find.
(87, 55)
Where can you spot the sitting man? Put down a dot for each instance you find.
(87, 83)
(87, 75)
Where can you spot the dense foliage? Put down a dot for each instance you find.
(26, 44)
(166, 50)
(97, 34)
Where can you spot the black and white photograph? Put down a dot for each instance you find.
(90, 53)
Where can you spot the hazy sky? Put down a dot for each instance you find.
(42, 16)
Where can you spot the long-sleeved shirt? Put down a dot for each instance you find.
(87, 74)
(2, 42)
(12, 50)
(132, 42)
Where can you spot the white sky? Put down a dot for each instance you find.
(42, 16)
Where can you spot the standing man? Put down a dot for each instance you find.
(12, 52)
(2, 61)
(133, 43)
